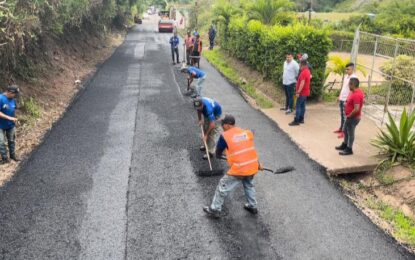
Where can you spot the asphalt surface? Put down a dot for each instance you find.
(115, 179)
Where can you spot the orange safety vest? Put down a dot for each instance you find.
(241, 154)
(199, 45)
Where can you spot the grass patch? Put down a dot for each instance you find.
(30, 107)
(380, 173)
(330, 16)
(403, 227)
(330, 96)
(217, 58)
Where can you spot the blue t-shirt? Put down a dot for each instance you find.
(221, 146)
(174, 42)
(211, 109)
(7, 107)
(199, 73)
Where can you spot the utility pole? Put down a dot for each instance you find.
(310, 9)
(197, 13)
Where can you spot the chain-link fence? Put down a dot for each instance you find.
(386, 68)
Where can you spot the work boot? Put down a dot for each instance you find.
(294, 123)
(14, 158)
(346, 151)
(288, 111)
(4, 161)
(211, 212)
(251, 209)
(202, 148)
(341, 147)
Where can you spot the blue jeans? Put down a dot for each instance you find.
(342, 115)
(289, 96)
(227, 184)
(199, 85)
(300, 109)
(9, 136)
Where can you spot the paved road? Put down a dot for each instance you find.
(115, 179)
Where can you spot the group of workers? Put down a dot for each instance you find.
(237, 144)
(193, 48)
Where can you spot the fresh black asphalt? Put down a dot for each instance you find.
(115, 179)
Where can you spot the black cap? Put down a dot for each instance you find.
(197, 102)
(229, 120)
(13, 89)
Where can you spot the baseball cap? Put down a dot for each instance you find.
(13, 89)
(197, 102)
(228, 119)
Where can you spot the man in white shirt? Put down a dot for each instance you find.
(289, 80)
(344, 93)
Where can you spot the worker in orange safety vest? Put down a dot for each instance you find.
(242, 158)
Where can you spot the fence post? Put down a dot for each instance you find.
(355, 48)
(371, 69)
(391, 81)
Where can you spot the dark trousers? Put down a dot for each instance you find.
(289, 96)
(349, 131)
(300, 109)
(212, 43)
(342, 115)
(188, 53)
(173, 51)
(7, 135)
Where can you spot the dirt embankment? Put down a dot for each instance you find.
(62, 70)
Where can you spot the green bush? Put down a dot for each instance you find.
(264, 48)
(401, 91)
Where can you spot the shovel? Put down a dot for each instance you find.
(211, 172)
(280, 170)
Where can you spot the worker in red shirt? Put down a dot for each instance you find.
(302, 92)
(353, 110)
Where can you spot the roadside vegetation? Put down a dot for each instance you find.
(219, 60)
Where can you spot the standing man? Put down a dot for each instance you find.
(174, 44)
(197, 49)
(212, 35)
(302, 92)
(8, 122)
(195, 73)
(243, 165)
(289, 79)
(344, 93)
(353, 109)
(211, 112)
(188, 42)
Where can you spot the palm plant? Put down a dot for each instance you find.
(224, 10)
(337, 66)
(268, 11)
(398, 143)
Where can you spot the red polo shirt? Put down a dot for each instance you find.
(355, 97)
(305, 75)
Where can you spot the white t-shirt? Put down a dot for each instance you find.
(290, 72)
(344, 93)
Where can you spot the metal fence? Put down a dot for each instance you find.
(386, 67)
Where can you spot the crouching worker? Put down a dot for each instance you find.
(243, 165)
(208, 112)
(195, 73)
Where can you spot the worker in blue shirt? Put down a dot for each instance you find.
(8, 122)
(195, 73)
(174, 43)
(208, 112)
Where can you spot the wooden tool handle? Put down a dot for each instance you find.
(206, 148)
